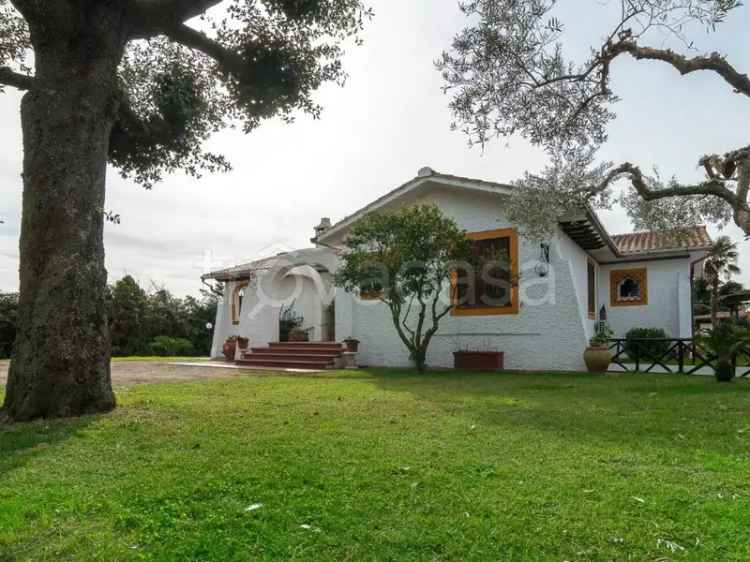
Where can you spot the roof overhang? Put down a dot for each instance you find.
(320, 259)
(589, 233)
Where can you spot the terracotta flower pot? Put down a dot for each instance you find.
(597, 358)
(298, 334)
(481, 360)
(229, 348)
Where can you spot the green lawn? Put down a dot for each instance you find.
(387, 465)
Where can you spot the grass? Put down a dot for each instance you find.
(388, 465)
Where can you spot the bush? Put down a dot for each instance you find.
(165, 346)
(288, 321)
(650, 351)
(738, 323)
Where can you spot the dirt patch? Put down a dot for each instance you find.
(127, 373)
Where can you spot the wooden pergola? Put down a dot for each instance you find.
(735, 302)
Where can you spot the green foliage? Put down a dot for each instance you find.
(725, 341)
(602, 336)
(701, 296)
(8, 318)
(646, 350)
(387, 465)
(165, 346)
(743, 323)
(246, 63)
(517, 69)
(137, 318)
(410, 254)
(128, 317)
(288, 321)
(721, 262)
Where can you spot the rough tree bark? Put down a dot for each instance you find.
(60, 365)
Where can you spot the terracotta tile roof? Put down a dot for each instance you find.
(647, 242)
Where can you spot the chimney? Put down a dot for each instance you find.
(325, 224)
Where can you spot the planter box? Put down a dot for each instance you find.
(483, 360)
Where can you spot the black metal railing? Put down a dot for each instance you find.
(673, 355)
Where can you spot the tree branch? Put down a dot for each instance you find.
(131, 134)
(713, 62)
(406, 317)
(396, 316)
(150, 17)
(743, 187)
(9, 77)
(229, 61)
(712, 187)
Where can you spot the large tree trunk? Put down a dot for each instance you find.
(60, 365)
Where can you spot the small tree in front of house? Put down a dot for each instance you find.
(406, 259)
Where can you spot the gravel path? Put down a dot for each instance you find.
(126, 373)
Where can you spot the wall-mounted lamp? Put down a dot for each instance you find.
(542, 268)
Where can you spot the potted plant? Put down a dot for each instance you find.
(352, 344)
(725, 341)
(298, 334)
(597, 355)
(230, 348)
(289, 320)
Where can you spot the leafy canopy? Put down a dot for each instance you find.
(508, 73)
(241, 62)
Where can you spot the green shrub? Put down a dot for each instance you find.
(725, 341)
(646, 350)
(165, 346)
(743, 323)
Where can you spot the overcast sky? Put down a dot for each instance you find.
(389, 120)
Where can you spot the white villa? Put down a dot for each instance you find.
(640, 280)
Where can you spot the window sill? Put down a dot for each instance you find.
(485, 311)
(370, 296)
(630, 303)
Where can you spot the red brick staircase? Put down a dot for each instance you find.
(293, 355)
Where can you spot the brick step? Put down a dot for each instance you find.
(284, 363)
(298, 356)
(309, 345)
(297, 350)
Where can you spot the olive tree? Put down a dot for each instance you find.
(138, 84)
(405, 259)
(508, 73)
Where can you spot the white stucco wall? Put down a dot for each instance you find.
(548, 333)
(668, 298)
(223, 327)
(304, 289)
(578, 263)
